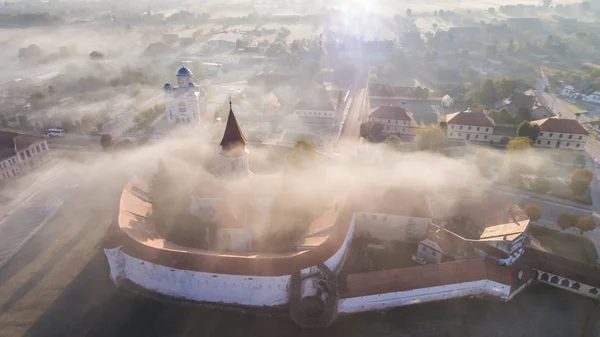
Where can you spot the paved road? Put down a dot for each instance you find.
(24, 219)
(557, 105)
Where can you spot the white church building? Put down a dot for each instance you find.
(185, 103)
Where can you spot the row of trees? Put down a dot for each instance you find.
(580, 178)
(491, 91)
(503, 116)
(145, 117)
(565, 220)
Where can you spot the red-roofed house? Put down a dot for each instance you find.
(20, 153)
(395, 120)
(561, 134)
(467, 125)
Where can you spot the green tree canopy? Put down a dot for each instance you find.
(541, 185)
(519, 144)
(430, 138)
(106, 141)
(529, 130)
(586, 224)
(502, 116)
(523, 114)
(506, 86)
(532, 211)
(302, 155)
(580, 181)
(487, 93)
(394, 143)
(567, 220)
(372, 131)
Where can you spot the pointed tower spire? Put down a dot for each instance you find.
(233, 136)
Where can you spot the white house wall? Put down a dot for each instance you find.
(550, 139)
(395, 126)
(473, 133)
(422, 295)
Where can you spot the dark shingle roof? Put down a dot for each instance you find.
(233, 135)
(391, 112)
(470, 118)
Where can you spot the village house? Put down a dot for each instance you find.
(561, 134)
(395, 120)
(568, 91)
(322, 106)
(20, 153)
(593, 97)
(447, 101)
(467, 125)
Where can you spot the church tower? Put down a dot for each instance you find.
(233, 156)
(186, 103)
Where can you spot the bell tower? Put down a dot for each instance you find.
(233, 156)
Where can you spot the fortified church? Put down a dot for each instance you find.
(477, 247)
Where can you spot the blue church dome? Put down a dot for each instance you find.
(167, 85)
(184, 72)
(191, 85)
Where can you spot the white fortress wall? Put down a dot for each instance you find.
(422, 295)
(336, 261)
(210, 287)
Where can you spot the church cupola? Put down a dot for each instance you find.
(234, 155)
(184, 77)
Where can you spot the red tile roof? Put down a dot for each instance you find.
(429, 275)
(470, 118)
(13, 142)
(391, 112)
(560, 125)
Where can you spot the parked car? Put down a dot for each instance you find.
(55, 132)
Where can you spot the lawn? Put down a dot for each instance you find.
(570, 246)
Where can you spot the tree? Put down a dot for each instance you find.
(519, 144)
(408, 12)
(162, 195)
(67, 124)
(430, 138)
(530, 130)
(567, 220)
(502, 116)
(586, 224)
(302, 155)
(541, 185)
(487, 93)
(394, 143)
(580, 181)
(523, 114)
(532, 211)
(546, 3)
(106, 141)
(506, 86)
(371, 131)
(96, 55)
(491, 10)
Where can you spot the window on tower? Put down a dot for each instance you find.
(182, 107)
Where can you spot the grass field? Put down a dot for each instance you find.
(567, 245)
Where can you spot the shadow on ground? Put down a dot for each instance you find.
(92, 306)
